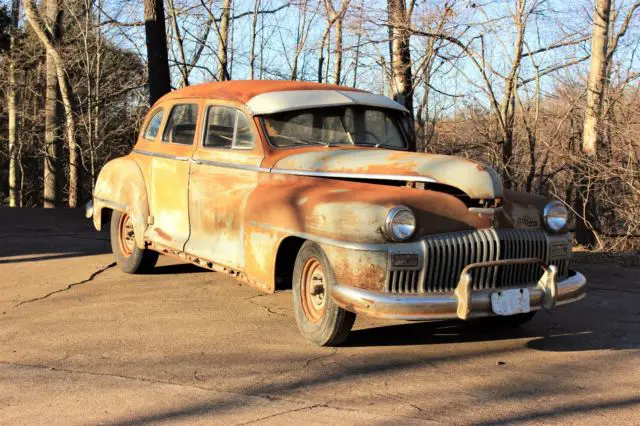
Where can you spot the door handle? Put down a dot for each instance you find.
(194, 161)
(181, 158)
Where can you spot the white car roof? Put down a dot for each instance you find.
(290, 100)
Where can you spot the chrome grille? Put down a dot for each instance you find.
(403, 281)
(445, 255)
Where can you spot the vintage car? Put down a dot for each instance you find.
(313, 187)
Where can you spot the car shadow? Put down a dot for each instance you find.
(177, 268)
(430, 333)
(539, 334)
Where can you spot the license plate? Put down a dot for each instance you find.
(510, 302)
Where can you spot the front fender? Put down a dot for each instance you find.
(121, 186)
(342, 214)
(352, 211)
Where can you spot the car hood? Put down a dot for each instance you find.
(476, 180)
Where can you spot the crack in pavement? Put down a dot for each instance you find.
(308, 407)
(307, 404)
(91, 277)
(309, 361)
(269, 310)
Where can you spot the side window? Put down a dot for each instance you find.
(220, 126)
(244, 137)
(181, 125)
(154, 125)
(227, 128)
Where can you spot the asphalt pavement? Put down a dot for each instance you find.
(83, 343)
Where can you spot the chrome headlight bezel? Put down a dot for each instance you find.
(392, 229)
(555, 217)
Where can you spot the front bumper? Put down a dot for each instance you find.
(458, 304)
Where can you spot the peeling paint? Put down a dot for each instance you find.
(226, 210)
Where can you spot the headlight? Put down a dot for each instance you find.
(400, 223)
(556, 216)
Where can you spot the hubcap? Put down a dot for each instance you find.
(127, 238)
(314, 290)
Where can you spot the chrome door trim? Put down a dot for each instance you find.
(367, 176)
(161, 155)
(230, 165)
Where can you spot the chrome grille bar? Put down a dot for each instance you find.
(445, 255)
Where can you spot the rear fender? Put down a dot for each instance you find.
(121, 186)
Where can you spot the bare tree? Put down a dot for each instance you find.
(334, 18)
(47, 39)
(223, 40)
(599, 72)
(254, 29)
(400, 51)
(15, 199)
(157, 55)
(51, 141)
(302, 34)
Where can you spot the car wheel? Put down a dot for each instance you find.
(129, 256)
(320, 320)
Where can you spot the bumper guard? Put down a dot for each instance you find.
(463, 303)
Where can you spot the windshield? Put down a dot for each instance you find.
(351, 125)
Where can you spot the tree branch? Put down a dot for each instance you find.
(553, 69)
(555, 46)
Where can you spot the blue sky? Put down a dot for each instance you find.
(553, 20)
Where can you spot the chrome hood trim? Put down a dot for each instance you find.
(475, 180)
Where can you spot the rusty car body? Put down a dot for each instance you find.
(312, 186)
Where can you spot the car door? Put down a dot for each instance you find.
(169, 193)
(225, 170)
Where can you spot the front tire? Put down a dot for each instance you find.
(320, 320)
(130, 258)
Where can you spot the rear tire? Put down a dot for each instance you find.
(320, 320)
(130, 258)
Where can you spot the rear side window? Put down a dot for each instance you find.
(154, 125)
(181, 125)
(227, 128)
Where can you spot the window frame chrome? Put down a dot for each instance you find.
(205, 121)
(164, 128)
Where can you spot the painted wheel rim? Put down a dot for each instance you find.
(126, 236)
(314, 289)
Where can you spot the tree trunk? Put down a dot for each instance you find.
(223, 72)
(51, 141)
(183, 66)
(157, 56)
(54, 58)
(300, 38)
(323, 42)
(337, 60)
(356, 61)
(597, 75)
(254, 26)
(402, 88)
(15, 200)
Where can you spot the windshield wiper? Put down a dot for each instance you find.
(377, 145)
(302, 141)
